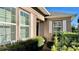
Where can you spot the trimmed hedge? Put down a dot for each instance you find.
(29, 45)
(34, 44)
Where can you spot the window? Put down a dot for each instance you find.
(7, 25)
(24, 25)
(2, 14)
(57, 26)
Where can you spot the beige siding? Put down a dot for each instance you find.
(69, 25)
(41, 28)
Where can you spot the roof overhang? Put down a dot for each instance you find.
(43, 10)
(57, 16)
(62, 15)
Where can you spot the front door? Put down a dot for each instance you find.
(37, 29)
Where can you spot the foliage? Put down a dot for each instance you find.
(23, 46)
(74, 29)
(64, 48)
(70, 49)
(54, 48)
(66, 41)
(33, 44)
(49, 44)
(40, 40)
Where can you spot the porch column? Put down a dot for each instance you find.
(32, 25)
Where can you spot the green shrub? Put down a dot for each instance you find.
(64, 48)
(3, 48)
(34, 44)
(40, 40)
(53, 48)
(77, 49)
(70, 49)
(29, 45)
(56, 44)
(63, 40)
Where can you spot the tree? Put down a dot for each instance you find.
(74, 29)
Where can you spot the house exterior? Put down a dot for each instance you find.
(22, 23)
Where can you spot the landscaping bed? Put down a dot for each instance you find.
(35, 44)
(65, 41)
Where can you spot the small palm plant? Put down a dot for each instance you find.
(55, 46)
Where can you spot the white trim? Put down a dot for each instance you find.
(31, 25)
(50, 26)
(44, 10)
(8, 23)
(55, 26)
(64, 25)
(24, 25)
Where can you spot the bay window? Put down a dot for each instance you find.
(7, 24)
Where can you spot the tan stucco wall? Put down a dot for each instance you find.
(41, 29)
(46, 29)
(33, 25)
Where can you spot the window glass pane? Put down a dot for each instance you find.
(13, 19)
(13, 15)
(10, 15)
(2, 34)
(57, 26)
(24, 32)
(24, 18)
(13, 11)
(2, 19)
(13, 32)
(8, 33)
(7, 14)
(2, 12)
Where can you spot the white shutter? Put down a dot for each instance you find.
(64, 25)
(50, 26)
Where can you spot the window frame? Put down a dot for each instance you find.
(57, 26)
(9, 23)
(22, 25)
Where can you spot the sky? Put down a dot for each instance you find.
(72, 10)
